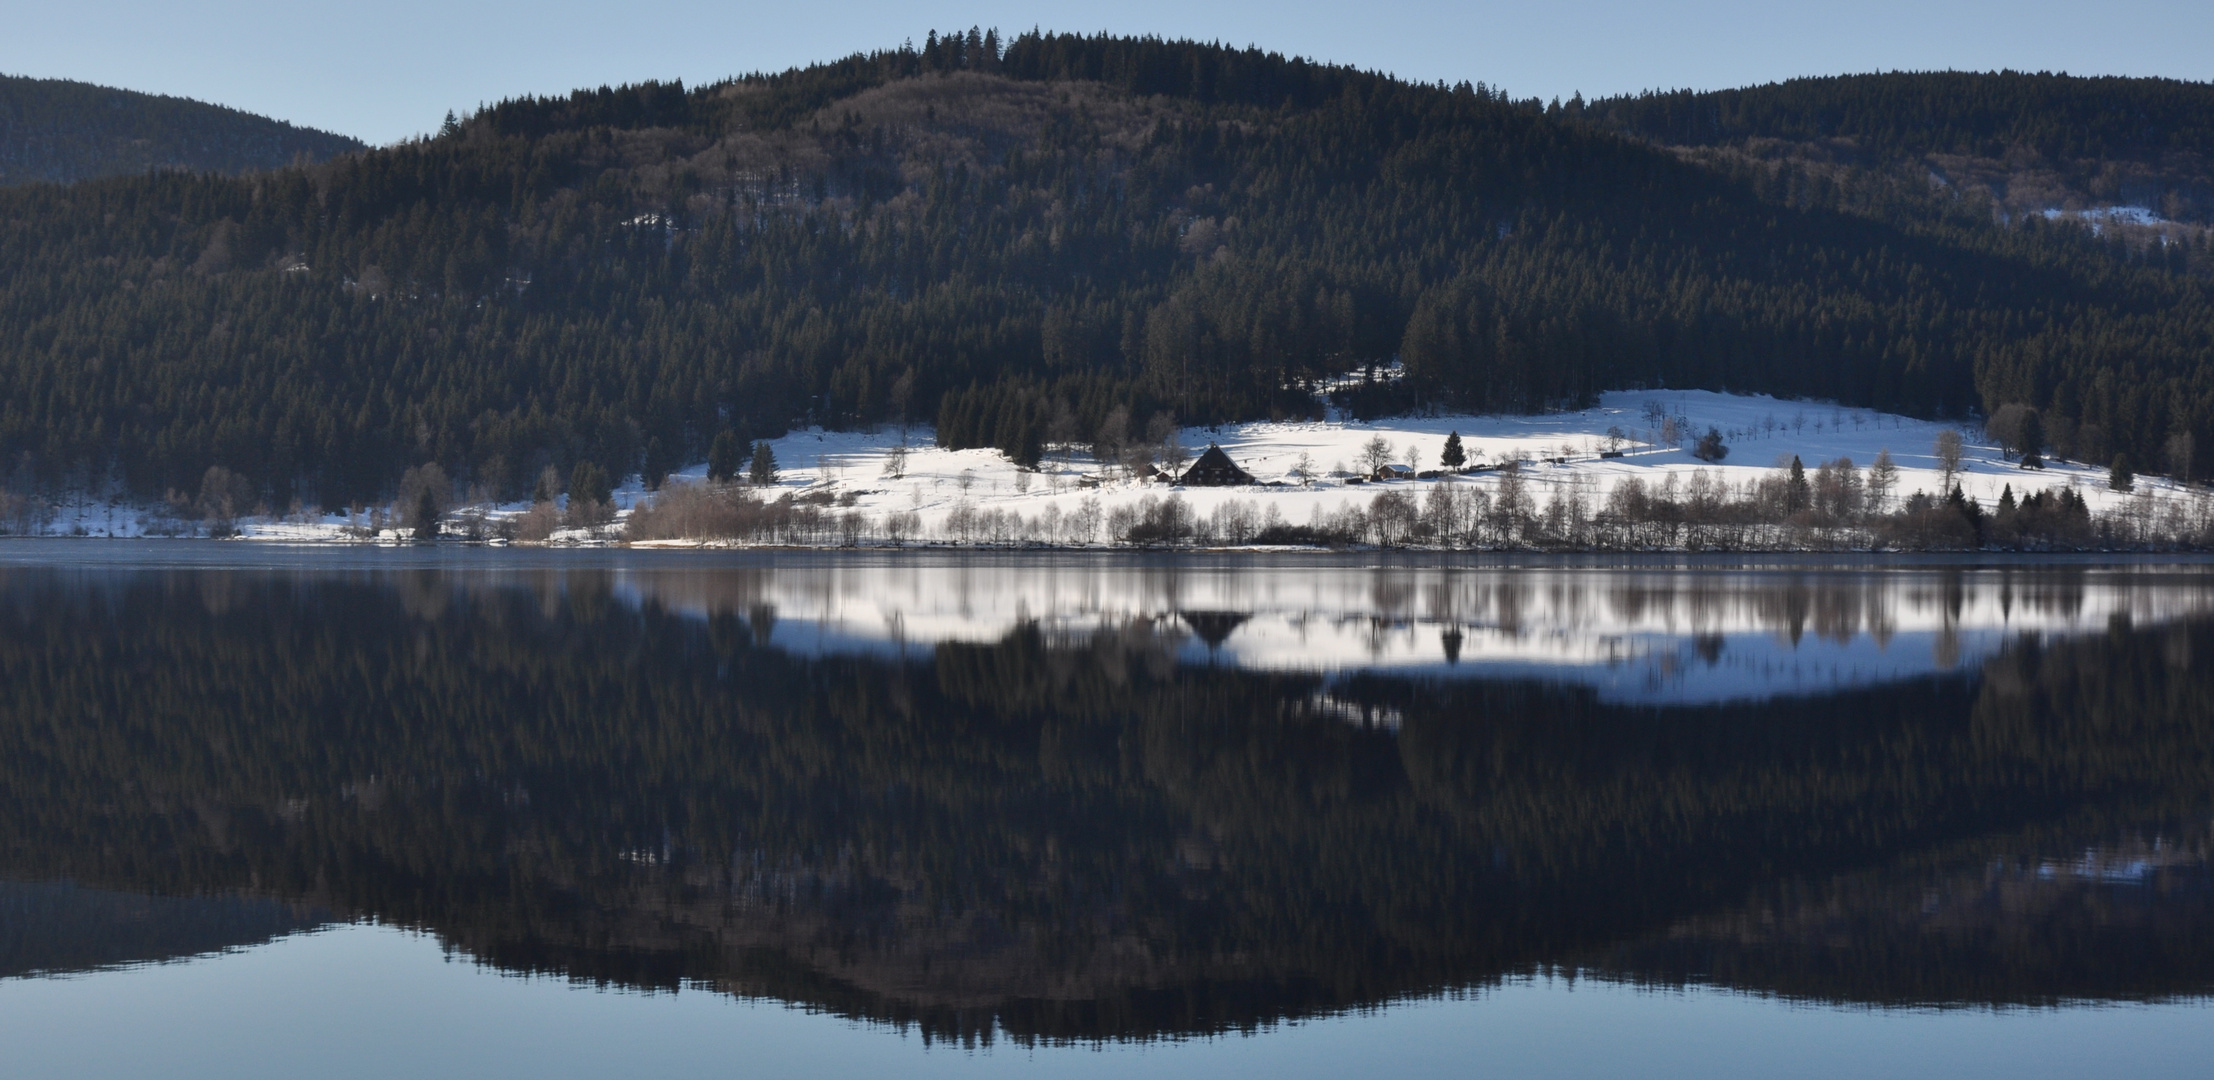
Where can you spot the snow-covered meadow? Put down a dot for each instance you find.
(1302, 468)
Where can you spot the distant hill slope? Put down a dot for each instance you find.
(62, 131)
(2029, 142)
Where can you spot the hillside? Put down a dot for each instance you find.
(60, 131)
(1031, 244)
(2030, 145)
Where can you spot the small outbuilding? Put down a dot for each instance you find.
(1215, 469)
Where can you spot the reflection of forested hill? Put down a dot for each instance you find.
(1054, 841)
(2034, 920)
(56, 926)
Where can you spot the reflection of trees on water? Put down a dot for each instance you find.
(1057, 835)
(49, 927)
(2032, 919)
(1832, 605)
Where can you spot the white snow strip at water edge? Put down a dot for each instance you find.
(852, 468)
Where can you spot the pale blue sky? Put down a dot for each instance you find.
(385, 69)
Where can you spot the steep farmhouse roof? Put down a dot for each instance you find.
(1215, 469)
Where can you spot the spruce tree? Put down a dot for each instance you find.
(424, 515)
(2033, 441)
(548, 487)
(726, 456)
(1453, 457)
(661, 460)
(764, 465)
(588, 483)
(2119, 476)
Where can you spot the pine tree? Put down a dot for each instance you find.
(1968, 508)
(548, 487)
(588, 483)
(424, 515)
(726, 456)
(1453, 457)
(661, 460)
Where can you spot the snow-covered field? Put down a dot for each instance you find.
(853, 466)
(938, 480)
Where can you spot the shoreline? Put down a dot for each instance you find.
(1802, 477)
(686, 552)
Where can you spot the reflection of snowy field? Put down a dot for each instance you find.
(1661, 669)
(1651, 635)
(850, 467)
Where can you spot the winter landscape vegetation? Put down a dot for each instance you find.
(1089, 555)
(1637, 471)
(1006, 292)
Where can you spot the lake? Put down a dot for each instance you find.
(448, 811)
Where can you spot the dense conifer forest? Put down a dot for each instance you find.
(2006, 145)
(1024, 240)
(2060, 117)
(56, 130)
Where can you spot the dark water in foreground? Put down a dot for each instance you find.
(493, 814)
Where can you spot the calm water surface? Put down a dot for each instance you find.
(381, 813)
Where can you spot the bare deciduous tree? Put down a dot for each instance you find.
(1375, 454)
(1948, 453)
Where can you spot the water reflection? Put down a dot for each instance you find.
(55, 928)
(1650, 635)
(2020, 923)
(1056, 801)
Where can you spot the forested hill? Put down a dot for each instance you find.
(2028, 141)
(1948, 112)
(59, 131)
(1025, 240)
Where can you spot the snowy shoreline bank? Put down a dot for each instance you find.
(1627, 461)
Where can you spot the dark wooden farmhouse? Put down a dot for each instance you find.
(1215, 469)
